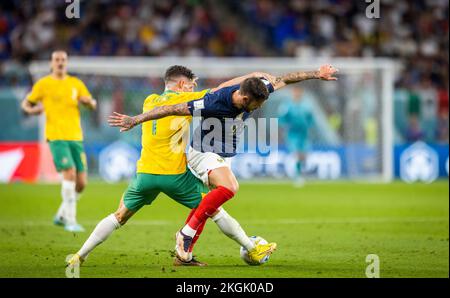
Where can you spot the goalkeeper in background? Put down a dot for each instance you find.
(58, 95)
(297, 118)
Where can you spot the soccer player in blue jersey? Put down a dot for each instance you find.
(209, 159)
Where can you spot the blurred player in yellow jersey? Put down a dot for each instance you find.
(162, 168)
(58, 95)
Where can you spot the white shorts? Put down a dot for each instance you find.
(201, 163)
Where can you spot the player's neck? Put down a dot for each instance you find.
(171, 90)
(237, 101)
(59, 76)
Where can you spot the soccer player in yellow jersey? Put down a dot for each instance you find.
(162, 168)
(58, 95)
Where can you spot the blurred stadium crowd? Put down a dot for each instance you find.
(415, 32)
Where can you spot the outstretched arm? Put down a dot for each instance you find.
(325, 72)
(240, 79)
(127, 122)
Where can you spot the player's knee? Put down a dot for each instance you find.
(225, 178)
(121, 218)
(229, 182)
(69, 174)
(233, 187)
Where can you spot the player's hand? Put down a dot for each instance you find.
(93, 104)
(327, 71)
(90, 102)
(33, 110)
(119, 120)
(37, 109)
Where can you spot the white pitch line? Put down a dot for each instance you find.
(368, 220)
(281, 221)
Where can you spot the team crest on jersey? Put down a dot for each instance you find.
(74, 93)
(64, 160)
(220, 160)
(199, 104)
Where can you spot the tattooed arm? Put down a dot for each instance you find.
(126, 122)
(240, 79)
(325, 72)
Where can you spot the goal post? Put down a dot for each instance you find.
(354, 115)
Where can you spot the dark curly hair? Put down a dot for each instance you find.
(176, 71)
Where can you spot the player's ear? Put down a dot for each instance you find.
(180, 84)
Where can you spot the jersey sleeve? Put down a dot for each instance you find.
(206, 105)
(36, 93)
(213, 104)
(83, 90)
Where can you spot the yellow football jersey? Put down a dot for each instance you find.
(164, 140)
(59, 98)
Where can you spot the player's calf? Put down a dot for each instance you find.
(101, 232)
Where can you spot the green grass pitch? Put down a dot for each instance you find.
(322, 230)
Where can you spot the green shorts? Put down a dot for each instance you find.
(68, 154)
(184, 188)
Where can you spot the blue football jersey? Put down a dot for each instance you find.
(221, 122)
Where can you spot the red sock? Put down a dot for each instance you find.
(197, 235)
(210, 203)
(190, 215)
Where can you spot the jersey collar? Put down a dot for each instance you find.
(168, 91)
